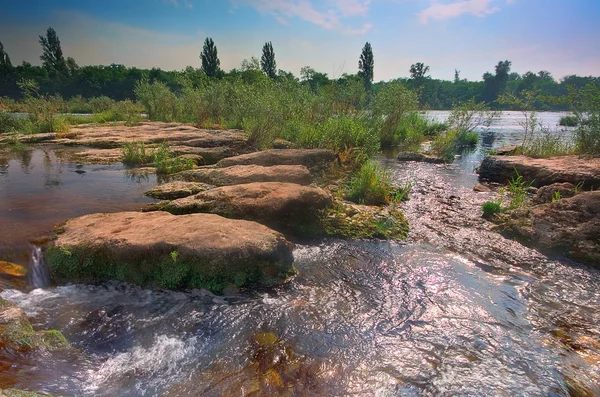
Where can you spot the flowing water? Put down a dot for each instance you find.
(455, 310)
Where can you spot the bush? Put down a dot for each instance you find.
(490, 208)
(166, 162)
(389, 106)
(9, 122)
(444, 146)
(371, 185)
(126, 111)
(569, 121)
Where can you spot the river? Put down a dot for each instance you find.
(455, 310)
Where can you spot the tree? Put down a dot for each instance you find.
(5, 63)
(52, 55)
(456, 75)
(365, 65)
(418, 71)
(267, 61)
(210, 60)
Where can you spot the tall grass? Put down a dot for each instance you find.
(162, 157)
(372, 185)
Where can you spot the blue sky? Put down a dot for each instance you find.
(469, 35)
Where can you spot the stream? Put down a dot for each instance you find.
(457, 309)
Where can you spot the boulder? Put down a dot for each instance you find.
(277, 204)
(479, 188)
(542, 172)
(416, 156)
(167, 251)
(239, 174)
(311, 158)
(177, 189)
(570, 225)
(547, 193)
(18, 336)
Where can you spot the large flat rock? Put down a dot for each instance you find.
(276, 204)
(570, 225)
(542, 171)
(239, 174)
(176, 189)
(310, 158)
(167, 251)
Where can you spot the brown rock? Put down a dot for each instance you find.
(168, 251)
(481, 188)
(273, 203)
(239, 174)
(571, 225)
(175, 190)
(547, 193)
(542, 171)
(308, 157)
(416, 156)
(507, 150)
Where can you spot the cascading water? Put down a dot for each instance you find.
(39, 276)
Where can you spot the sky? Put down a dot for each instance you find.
(559, 36)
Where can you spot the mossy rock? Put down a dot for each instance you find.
(20, 393)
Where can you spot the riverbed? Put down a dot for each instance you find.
(455, 310)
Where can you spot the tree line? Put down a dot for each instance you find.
(62, 76)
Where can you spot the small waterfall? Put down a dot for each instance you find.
(39, 277)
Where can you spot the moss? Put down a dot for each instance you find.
(161, 269)
(20, 393)
(54, 340)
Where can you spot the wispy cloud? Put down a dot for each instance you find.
(329, 17)
(178, 3)
(441, 11)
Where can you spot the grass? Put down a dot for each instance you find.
(491, 208)
(162, 157)
(516, 192)
(372, 185)
(569, 121)
(548, 144)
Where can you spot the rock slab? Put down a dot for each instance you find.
(166, 251)
(311, 158)
(240, 174)
(542, 172)
(275, 204)
(176, 189)
(420, 157)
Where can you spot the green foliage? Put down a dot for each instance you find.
(211, 65)
(52, 56)
(126, 111)
(135, 153)
(586, 107)
(569, 121)
(556, 196)
(9, 123)
(517, 191)
(467, 116)
(491, 208)
(444, 145)
(372, 185)
(158, 100)
(547, 143)
(166, 161)
(267, 61)
(366, 64)
(388, 107)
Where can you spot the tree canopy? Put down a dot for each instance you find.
(211, 65)
(267, 61)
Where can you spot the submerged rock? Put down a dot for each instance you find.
(275, 204)
(542, 172)
(175, 190)
(570, 225)
(240, 174)
(416, 156)
(18, 336)
(311, 158)
(175, 252)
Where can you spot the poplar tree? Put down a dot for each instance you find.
(267, 61)
(52, 55)
(365, 65)
(210, 60)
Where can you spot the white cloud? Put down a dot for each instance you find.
(329, 17)
(177, 3)
(441, 11)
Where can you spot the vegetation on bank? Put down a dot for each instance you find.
(514, 196)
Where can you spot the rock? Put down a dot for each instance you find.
(571, 225)
(239, 174)
(166, 251)
(507, 150)
(311, 158)
(479, 188)
(277, 204)
(175, 190)
(547, 193)
(210, 155)
(18, 336)
(416, 156)
(542, 171)
(10, 270)
(20, 393)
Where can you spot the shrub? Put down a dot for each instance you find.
(9, 122)
(100, 104)
(126, 111)
(444, 146)
(547, 144)
(371, 185)
(166, 162)
(160, 103)
(135, 153)
(490, 208)
(569, 121)
(469, 115)
(388, 108)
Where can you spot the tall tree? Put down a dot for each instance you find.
(267, 61)
(210, 60)
(456, 75)
(365, 65)
(418, 71)
(52, 55)
(5, 63)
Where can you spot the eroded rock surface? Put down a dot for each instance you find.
(177, 189)
(542, 172)
(547, 193)
(311, 158)
(569, 225)
(275, 204)
(239, 174)
(167, 251)
(416, 156)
